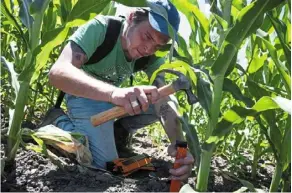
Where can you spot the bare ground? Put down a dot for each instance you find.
(33, 172)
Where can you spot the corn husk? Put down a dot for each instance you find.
(64, 141)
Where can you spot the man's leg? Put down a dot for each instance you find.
(125, 126)
(101, 138)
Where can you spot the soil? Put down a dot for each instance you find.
(33, 172)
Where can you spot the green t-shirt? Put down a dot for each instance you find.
(113, 68)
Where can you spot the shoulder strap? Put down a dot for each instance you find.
(110, 39)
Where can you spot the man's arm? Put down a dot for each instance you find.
(67, 76)
(167, 110)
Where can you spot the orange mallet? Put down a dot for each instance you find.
(181, 147)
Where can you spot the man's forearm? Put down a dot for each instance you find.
(72, 80)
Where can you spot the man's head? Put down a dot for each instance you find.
(147, 31)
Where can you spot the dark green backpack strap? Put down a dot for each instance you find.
(111, 37)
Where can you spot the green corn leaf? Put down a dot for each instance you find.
(204, 27)
(235, 91)
(140, 3)
(285, 154)
(42, 146)
(226, 11)
(193, 12)
(38, 6)
(50, 19)
(24, 14)
(231, 65)
(257, 63)
(180, 66)
(288, 34)
(256, 90)
(237, 114)
(14, 76)
(238, 4)
(10, 18)
(65, 7)
(221, 21)
(183, 49)
(243, 26)
(266, 103)
(59, 36)
(273, 131)
(84, 11)
(193, 136)
(33, 147)
(281, 30)
(285, 76)
(204, 94)
(110, 9)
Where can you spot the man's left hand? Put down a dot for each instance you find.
(186, 164)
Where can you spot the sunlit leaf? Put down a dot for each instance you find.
(281, 30)
(286, 77)
(43, 56)
(12, 20)
(85, 10)
(13, 74)
(257, 63)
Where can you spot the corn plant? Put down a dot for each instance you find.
(249, 18)
(40, 27)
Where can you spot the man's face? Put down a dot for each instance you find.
(144, 40)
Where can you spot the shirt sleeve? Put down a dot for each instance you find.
(154, 64)
(90, 35)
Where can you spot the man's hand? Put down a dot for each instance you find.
(135, 99)
(184, 171)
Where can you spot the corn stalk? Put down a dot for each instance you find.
(33, 23)
(244, 25)
(38, 50)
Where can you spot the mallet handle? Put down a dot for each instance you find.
(118, 111)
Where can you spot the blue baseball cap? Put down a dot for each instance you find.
(158, 22)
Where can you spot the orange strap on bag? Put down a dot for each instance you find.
(181, 153)
(127, 166)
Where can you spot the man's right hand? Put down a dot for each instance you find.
(135, 99)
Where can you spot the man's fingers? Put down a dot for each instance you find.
(181, 173)
(135, 104)
(153, 92)
(185, 161)
(128, 108)
(142, 98)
